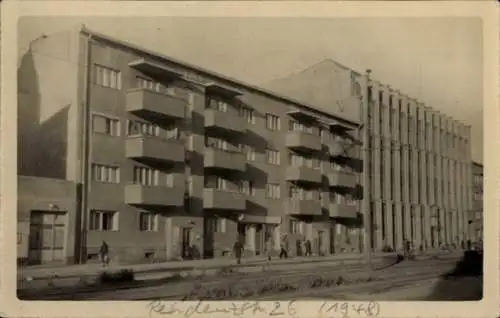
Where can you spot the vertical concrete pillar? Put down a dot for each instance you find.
(417, 219)
(250, 237)
(398, 221)
(407, 224)
(388, 168)
(276, 237)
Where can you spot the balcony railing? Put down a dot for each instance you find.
(146, 102)
(226, 121)
(342, 179)
(303, 141)
(303, 174)
(136, 194)
(154, 148)
(223, 200)
(224, 159)
(304, 207)
(343, 210)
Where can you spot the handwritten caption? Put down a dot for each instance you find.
(326, 309)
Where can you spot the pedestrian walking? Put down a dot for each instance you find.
(308, 247)
(104, 253)
(238, 250)
(284, 247)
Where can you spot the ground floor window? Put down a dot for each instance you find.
(103, 220)
(296, 226)
(148, 222)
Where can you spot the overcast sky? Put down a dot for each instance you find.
(437, 60)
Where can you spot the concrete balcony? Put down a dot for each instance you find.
(303, 141)
(145, 102)
(154, 148)
(336, 148)
(342, 179)
(136, 194)
(226, 121)
(341, 210)
(303, 174)
(221, 159)
(223, 200)
(303, 207)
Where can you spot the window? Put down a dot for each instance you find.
(273, 191)
(295, 125)
(273, 157)
(296, 227)
(189, 185)
(216, 183)
(248, 114)
(172, 132)
(107, 77)
(148, 84)
(247, 188)
(106, 173)
(146, 176)
(216, 143)
(222, 106)
(103, 221)
(250, 153)
(272, 122)
(219, 225)
(105, 125)
(135, 127)
(169, 180)
(148, 222)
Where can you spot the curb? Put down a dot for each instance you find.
(181, 270)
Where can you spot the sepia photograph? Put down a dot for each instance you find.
(250, 158)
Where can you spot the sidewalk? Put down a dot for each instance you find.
(82, 270)
(43, 272)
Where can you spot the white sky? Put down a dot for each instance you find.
(447, 51)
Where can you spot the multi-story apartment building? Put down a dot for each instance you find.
(476, 215)
(172, 160)
(418, 160)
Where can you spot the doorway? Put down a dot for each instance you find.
(186, 237)
(241, 229)
(46, 237)
(321, 239)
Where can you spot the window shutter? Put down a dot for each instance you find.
(116, 221)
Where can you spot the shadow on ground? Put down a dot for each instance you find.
(464, 282)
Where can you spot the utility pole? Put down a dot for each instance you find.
(367, 220)
(84, 189)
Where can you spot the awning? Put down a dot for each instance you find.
(154, 69)
(302, 114)
(222, 90)
(263, 219)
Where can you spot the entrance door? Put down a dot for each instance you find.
(321, 240)
(259, 239)
(46, 243)
(186, 242)
(241, 228)
(332, 239)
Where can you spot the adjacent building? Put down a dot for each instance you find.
(173, 161)
(418, 160)
(476, 215)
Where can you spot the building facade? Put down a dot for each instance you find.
(174, 161)
(476, 215)
(420, 172)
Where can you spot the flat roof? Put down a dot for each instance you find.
(213, 74)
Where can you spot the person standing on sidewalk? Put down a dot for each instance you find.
(284, 247)
(238, 250)
(104, 253)
(308, 248)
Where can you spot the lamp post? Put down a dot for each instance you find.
(367, 221)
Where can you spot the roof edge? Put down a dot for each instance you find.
(83, 29)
